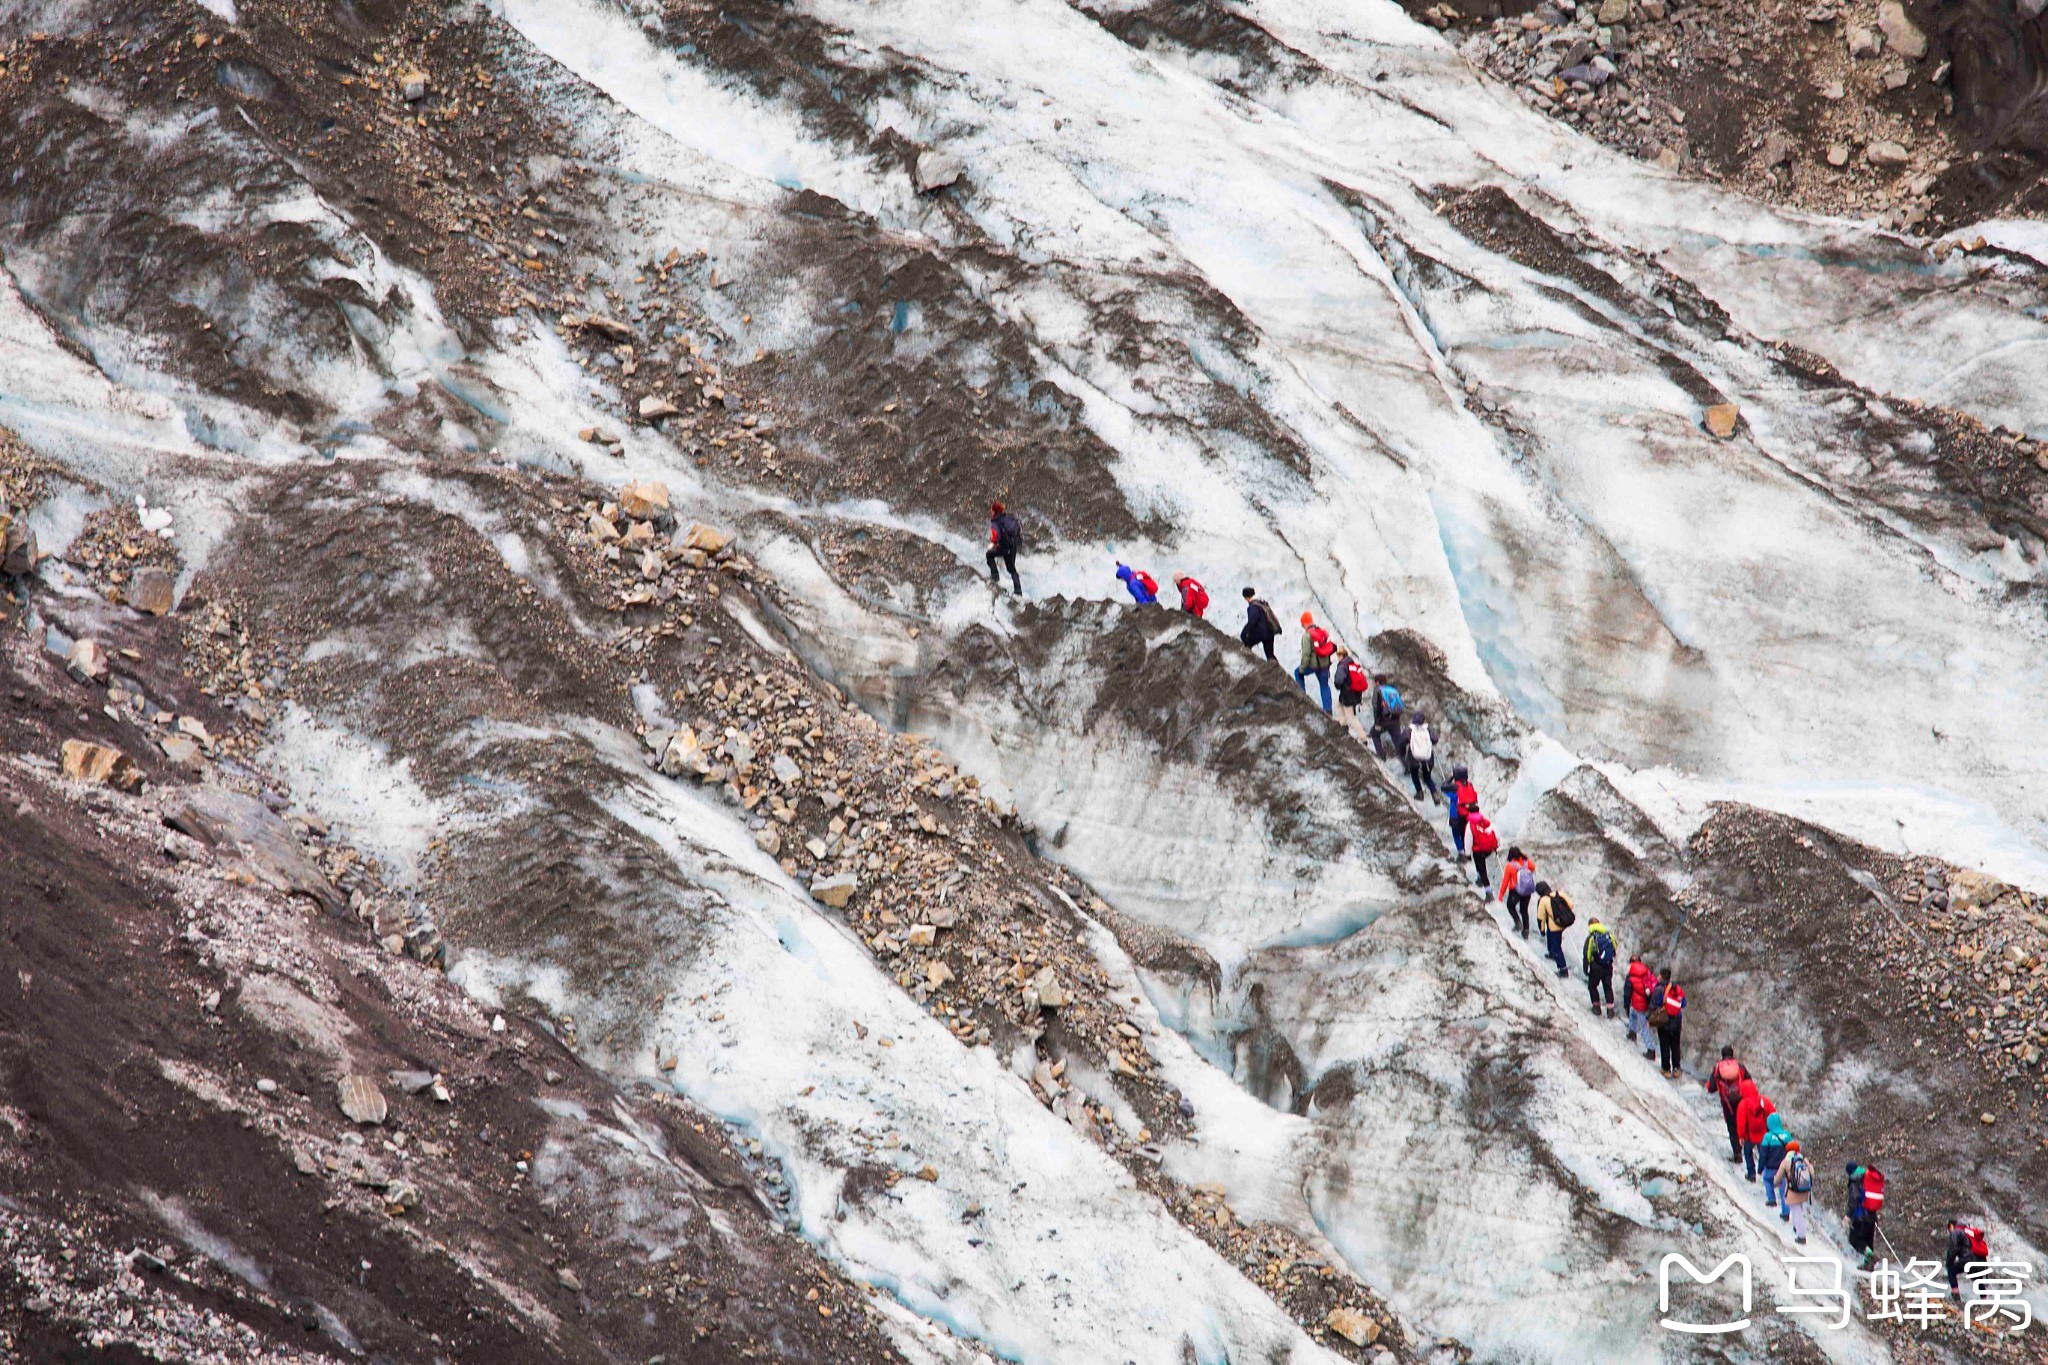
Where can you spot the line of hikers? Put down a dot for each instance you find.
(1758, 1138)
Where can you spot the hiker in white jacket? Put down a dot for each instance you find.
(1421, 756)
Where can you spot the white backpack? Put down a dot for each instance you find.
(1420, 747)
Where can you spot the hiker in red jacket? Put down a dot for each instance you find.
(1641, 983)
(1725, 1080)
(1967, 1253)
(1668, 1018)
(1484, 841)
(1517, 887)
(1751, 1117)
(1194, 598)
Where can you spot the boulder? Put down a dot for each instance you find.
(1886, 154)
(1613, 12)
(17, 543)
(360, 1099)
(835, 891)
(412, 86)
(87, 662)
(685, 754)
(654, 407)
(936, 170)
(1967, 890)
(86, 761)
(244, 827)
(1864, 43)
(643, 501)
(151, 590)
(1352, 1325)
(183, 752)
(1721, 419)
(1900, 32)
(598, 322)
(708, 540)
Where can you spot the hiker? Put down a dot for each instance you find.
(1421, 758)
(1795, 1188)
(1144, 590)
(1261, 624)
(1484, 842)
(1668, 1018)
(1194, 598)
(1725, 1080)
(1866, 1201)
(1386, 716)
(1005, 539)
(1770, 1154)
(1967, 1252)
(1352, 684)
(1639, 982)
(1750, 1123)
(1553, 917)
(1457, 793)
(1517, 884)
(1317, 649)
(1598, 956)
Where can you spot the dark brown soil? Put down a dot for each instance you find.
(128, 1069)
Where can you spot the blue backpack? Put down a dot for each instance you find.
(1390, 696)
(1603, 947)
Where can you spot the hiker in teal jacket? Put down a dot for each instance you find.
(1770, 1154)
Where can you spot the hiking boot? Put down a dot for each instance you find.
(1751, 1179)
(1800, 1240)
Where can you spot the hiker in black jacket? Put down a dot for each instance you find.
(1005, 539)
(1261, 626)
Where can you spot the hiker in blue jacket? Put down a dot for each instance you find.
(1143, 590)
(1457, 792)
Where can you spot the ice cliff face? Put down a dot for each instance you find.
(1279, 294)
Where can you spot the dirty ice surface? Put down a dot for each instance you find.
(1565, 530)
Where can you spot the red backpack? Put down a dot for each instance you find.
(1150, 585)
(1978, 1246)
(1324, 646)
(1354, 676)
(1873, 1189)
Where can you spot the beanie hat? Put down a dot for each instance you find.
(1308, 618)
(995, 509)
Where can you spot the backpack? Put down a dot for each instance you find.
(1354, 677)
(1272, 617)
(1420, 746)
(1800, 1181)
(1873, 1190)
(1525, 882)
(1978, 1246)
(1324, 646)
(1009, 535)
(1151, 586)
(1603, 947)
(1390, 696)
(1561, 914)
